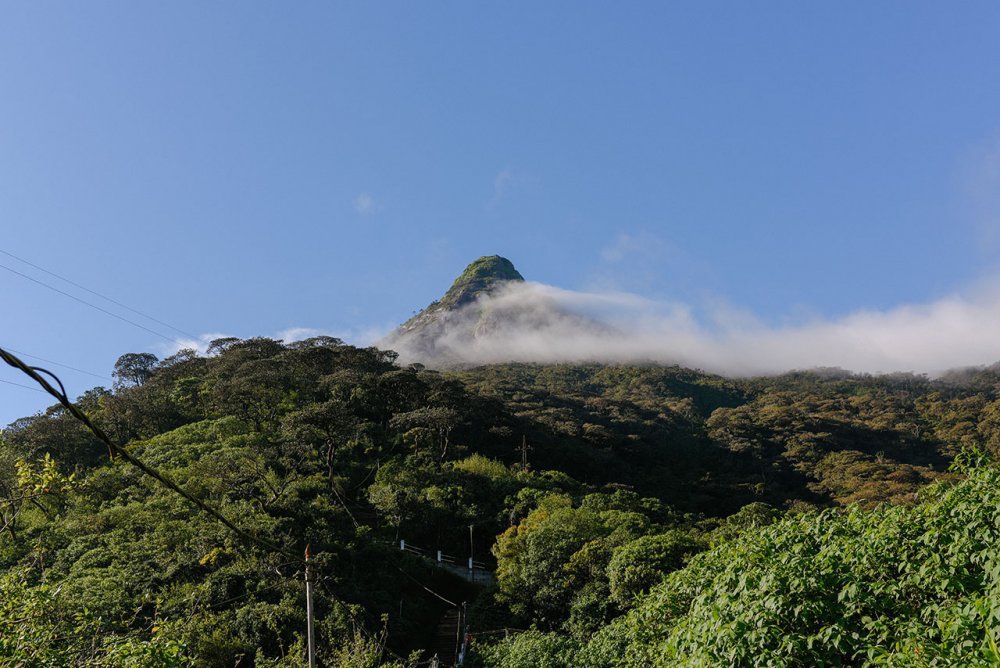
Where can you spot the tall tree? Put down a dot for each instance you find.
(133, 369)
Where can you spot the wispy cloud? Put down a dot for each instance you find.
(293, 334)
(501, 182)
(505, 183)
(641, 261)
(540, 323)
(533, 322)
(289, 335)
(358, 336)
(199, 345)
(366, 205)
(637, 249)
(625, 245)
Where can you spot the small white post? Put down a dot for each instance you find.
(439, 556)
(402, 544)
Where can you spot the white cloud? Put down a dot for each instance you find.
(642, 261)
(641, 246)
(501, 182)
(540, 323)
(199, 345)
(533, 322)
(505, 183)
(364, 336)
(293, 334)
(358, 336)
(367, 336)
(366, 205)
(619, 249)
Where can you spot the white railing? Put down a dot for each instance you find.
(474, 571)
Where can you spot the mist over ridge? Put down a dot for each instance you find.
(525, 321)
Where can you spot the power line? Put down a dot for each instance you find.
(27, 387)
(65, 366)
(116, 449)
(98, 294)
(93, 306)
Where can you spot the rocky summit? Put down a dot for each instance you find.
(489, 305)
(456, 316)
(483, 275)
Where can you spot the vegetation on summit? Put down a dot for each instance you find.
(479, 278)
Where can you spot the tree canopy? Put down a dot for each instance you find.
(632, 515)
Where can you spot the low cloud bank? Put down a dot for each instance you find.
(532, 322)
(290, 335)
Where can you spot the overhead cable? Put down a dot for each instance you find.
(98, 294)
(27, 387)
(59, 364)
(93, 306)
(35, 374)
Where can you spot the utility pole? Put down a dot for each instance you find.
(309, 614)
(524, 452)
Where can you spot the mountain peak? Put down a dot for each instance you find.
(480, 276)
(448, 313)
(486, 306)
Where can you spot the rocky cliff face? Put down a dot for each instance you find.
(489, 314)
(486, 274)
(480, 277)
(433, 335)
(489, 302)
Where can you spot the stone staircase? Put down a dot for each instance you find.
(447, 637)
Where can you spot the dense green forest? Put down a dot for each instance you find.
(631, 515)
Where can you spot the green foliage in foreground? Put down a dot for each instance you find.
(38, 628)
(894, 586)
(576, 567)
(625, 473)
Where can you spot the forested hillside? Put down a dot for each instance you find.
(582, 488)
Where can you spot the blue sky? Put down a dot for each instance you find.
(249, 168)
